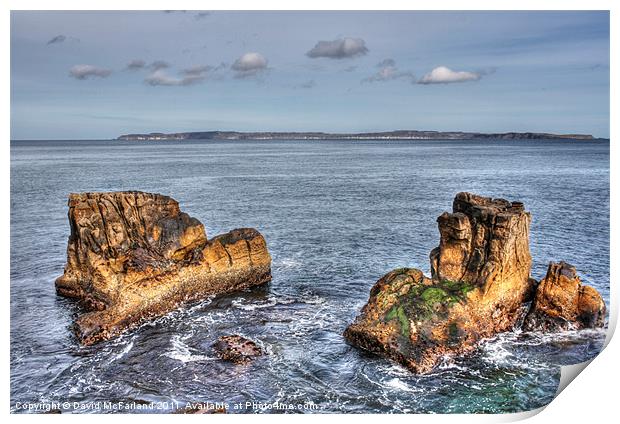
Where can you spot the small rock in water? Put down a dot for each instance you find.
(236, 349)
(562, 302)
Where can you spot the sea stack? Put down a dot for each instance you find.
(480, 286)
(133, 256)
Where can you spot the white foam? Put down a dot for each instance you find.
(182, 352)
(123, 352)
(273, 300)
(251, 306)
(398, 384)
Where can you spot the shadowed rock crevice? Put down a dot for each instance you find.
(132, 256)
(480, 286)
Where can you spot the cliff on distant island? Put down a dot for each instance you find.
(388, 135)
(132, 256)
(480, 286)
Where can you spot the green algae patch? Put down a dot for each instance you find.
(446, 292)
(423, 303)
(458, 287)
(434, 295)
(398, 312)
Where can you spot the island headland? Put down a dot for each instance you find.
(387, 135)
(480, 285)
(133, 256)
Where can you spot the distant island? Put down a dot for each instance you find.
(387, 135)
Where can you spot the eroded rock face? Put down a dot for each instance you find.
(485, 242)
(236, 349)
(412, 319)
(132, 256)
(562, 302)
(480, 286)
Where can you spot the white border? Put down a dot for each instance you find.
(592, 397)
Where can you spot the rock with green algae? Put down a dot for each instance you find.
(411, 319)
(480, 286)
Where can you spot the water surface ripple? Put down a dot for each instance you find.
(337, 215)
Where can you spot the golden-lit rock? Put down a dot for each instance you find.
(132, 256)
(562, 302)
(485, 243)
(480, 286)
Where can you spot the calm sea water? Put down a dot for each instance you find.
(336, 216)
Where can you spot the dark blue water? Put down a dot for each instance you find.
(336, 216)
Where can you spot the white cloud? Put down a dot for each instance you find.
(339, 49)
(160, 77)
(197, 70)
(83, 72)
(386, 62)
(58, 39)
(61, 38)
(135, 65)
(388, 72)
(222, 65)
(188, 76)
(444, 75)
(159, 64)
(249, 65)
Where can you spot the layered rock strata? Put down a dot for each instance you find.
(133, 256)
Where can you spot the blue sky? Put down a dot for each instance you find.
(298, 71)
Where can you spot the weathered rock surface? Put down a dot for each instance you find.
(480, 286)
(132, 256)
(562, 302)
(236, 349)
(485, 243)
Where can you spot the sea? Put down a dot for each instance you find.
(336, 215)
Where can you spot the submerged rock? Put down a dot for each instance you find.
(480, 286)
(236, 349)
(562, 302)
(132, 256)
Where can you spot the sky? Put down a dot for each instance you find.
(100, 74)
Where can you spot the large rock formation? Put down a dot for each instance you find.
(563, 303)
(480, 286)
(133, 256)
